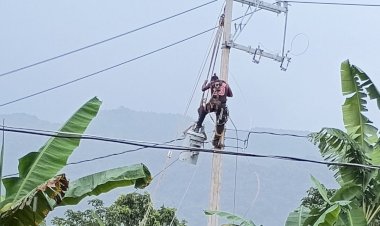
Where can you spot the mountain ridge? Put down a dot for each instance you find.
(264, 186)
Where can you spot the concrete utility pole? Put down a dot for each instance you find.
(279, 7)
(216, 175)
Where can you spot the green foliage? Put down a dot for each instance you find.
(357, 201)
(236, 220)
(105, 181)
(356, 87)
(35, 206)
(314, 199)
(298, 217)
(329, 216)
(37, 167)
(130, 209)
(37, 185)
(32, 195)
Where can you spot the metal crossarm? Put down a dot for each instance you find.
(256, 51)
(276, 8)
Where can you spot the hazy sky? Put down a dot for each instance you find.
(307, 96)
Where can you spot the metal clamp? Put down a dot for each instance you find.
(259, 52)
(287, 59)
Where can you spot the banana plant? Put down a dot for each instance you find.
(37, 167)
(358, 144)
(38, 189)
(236, 220)
(338, 209)
(58, 191)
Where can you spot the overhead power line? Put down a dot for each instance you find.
(35, 132)
(105, 40)
(112, 67)
(271, 133)
(183, 148)
(106, 69)
(334, 3)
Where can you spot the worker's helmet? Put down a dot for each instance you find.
(214, 77)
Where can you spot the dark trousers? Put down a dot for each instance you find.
(221, 111)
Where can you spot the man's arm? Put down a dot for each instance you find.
(206, 86)
(229, 91)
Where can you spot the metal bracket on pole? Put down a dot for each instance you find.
(258, 53)
(276, 8)
(255, 52)
(284, 66)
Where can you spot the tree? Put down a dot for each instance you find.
(357, 200)
(314, 199)
(131, 209)
(37, 190)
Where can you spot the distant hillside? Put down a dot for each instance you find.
(266, 189)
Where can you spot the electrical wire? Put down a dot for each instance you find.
(271, 133)
(237, 34)
(212, 43)
(105, 40)
(302, 52)
(120, 153)
(186, 109)
(285, 30)
(247, 139)
(334, 3)
(165, 168)
(185, 193)
(150, 205)
(88, 136)
(201, 150)
(236, 163)
(106, 69)
(256, 195)
(111, 67)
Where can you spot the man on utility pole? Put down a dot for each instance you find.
(220, 90)
(217, 157)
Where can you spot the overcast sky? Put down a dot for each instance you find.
(307, 96)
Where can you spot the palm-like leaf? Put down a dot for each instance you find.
(329, 216)
(357, 202)
(37, 167)
(337, 146)
(375, 154)
(356, 87)
(352, 217)
(59, 192)
(297, 217)
(34, 207)
(105, 181)
(231, 217)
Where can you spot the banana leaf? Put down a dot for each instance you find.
(337, 146)
(329, 217)
(321, 189)
(357, 87)
(231, 217)
(353, 217)
(33, 208)
(102, 182)
(297, 217)
(347, 192)
(37, 167)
